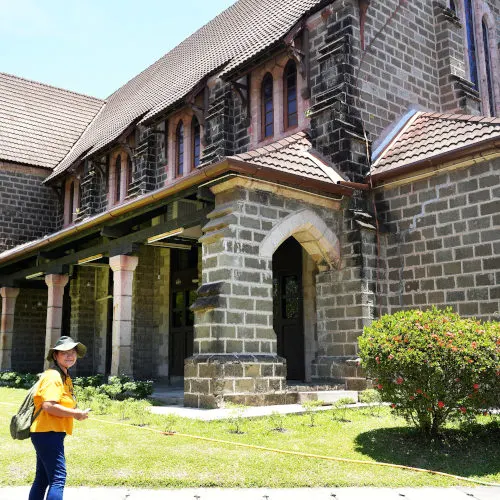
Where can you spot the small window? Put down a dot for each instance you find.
(71, 204)
(471, 43)
(290, 95)
(267, 106)
(179, 150)
(118, 178)
(453, 6)
(487, 64)
(129, 172)
(196, 142)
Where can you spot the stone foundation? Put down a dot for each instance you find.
(339, 370)
(210, 380)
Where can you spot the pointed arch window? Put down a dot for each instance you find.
(267, 106)
(487, 64)
(453, 6)
(71, 204)
(196, 139)
(290, 95)
(129, 172)
(118, 178)
(179, 150)
(471, 43)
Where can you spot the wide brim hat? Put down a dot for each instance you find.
(66, 344)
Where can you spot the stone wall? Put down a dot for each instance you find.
(28, 342)
(28, 208)
(443, 246)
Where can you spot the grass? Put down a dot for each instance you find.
(113, 454)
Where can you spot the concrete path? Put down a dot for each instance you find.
(479, 493)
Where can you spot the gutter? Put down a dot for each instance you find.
(436, 161)
(192, 179)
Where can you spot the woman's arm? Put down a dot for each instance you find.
(53, 408)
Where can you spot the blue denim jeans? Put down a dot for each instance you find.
(50, 465)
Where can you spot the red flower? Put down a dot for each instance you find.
(393, 405)
(463, 409)
(412, 398)
(441, 404)
(379, 386)
(399, 380)
(419, 391)
(474, 345)
(377, 359)
(390, 356)
(476, 387)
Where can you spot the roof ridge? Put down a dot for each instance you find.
(462, 117)
(51, 86)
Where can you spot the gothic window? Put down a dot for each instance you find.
(453, 6)
(195, 136)
(179, 150)
(267, 112)
(471, 42)
(290, 95)
(129, 173)
(118, 178)
(487, 64)
(71, 204)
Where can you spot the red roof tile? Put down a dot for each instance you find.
(295, 156)
(39, 123)
(429, 135)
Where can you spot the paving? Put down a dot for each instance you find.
(479, 493)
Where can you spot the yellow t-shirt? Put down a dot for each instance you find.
(51, 388)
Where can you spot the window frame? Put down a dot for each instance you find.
(267, 80)
(179, 149)
(286, 89)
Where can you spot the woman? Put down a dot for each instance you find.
(56, 400)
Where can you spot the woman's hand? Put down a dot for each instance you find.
(82, 414)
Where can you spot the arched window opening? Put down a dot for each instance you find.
(118, 178)
(196, 151)
(471, 43)
(71, 204)
(487, 64)
(290, 95)
(453, 6)
(267, 106)
(129, 172)
(179, 150)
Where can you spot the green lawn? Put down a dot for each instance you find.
(107, 454)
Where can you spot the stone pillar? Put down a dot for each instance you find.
(9, 296)
(235, 345)
(123, 267)
(55, 284)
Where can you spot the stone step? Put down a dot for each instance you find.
(328, 397)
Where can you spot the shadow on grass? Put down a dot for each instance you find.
(472, 453)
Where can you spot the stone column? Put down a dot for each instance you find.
(123, 267)
(9, 296)
(55, 284)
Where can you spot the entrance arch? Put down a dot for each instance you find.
(299, 246)
(311, 232)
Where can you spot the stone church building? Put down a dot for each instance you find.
(233, 216)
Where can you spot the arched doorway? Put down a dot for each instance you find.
(288, 307)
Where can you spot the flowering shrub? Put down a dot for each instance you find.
(433, 365)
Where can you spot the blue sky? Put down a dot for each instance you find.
(94, 46)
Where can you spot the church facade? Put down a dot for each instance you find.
(232, 217)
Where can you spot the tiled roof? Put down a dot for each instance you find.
(242, 31)
(294, 155)
(427, 136)
(38, 123)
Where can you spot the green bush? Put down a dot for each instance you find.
(433, 366)
(120, 388)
